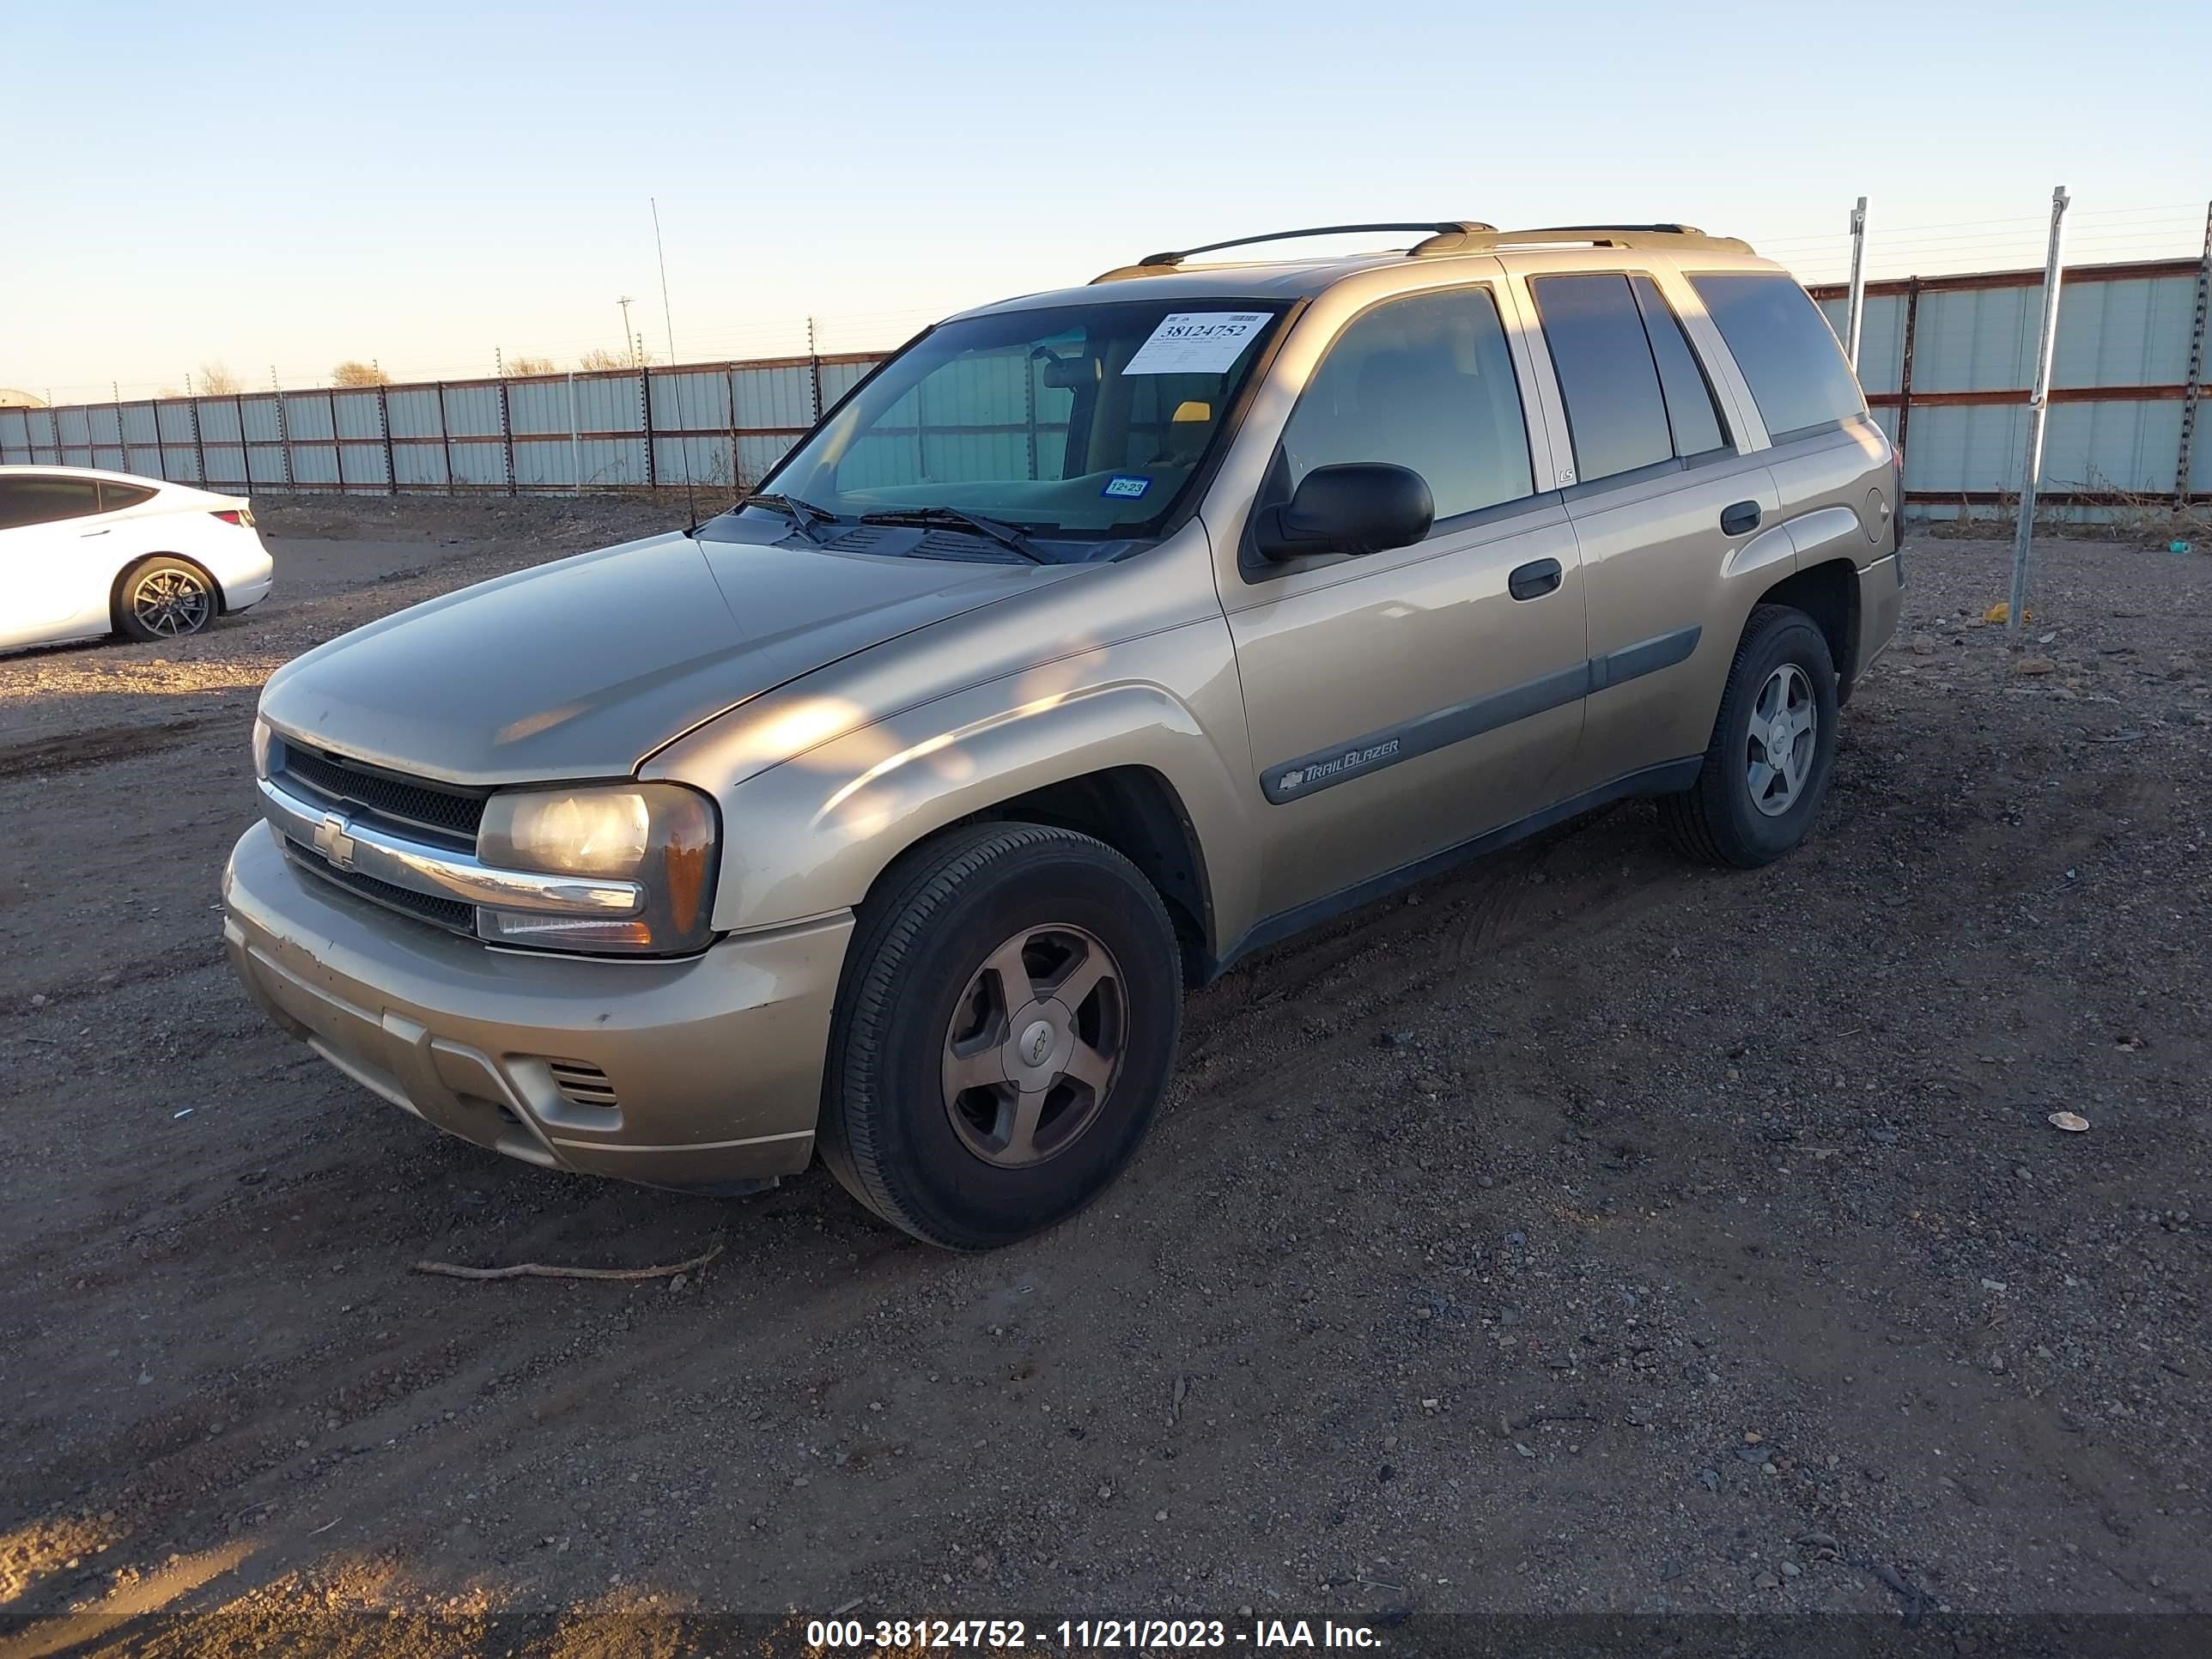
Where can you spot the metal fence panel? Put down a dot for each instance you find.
(360, 466)
(179, 464)
(608, 403)
(691, 403)
(609, 462)
(838, 379)
(477, 462)
(537, 406)
(356, 414)
(219, 421)
(708, 460)
(419, 467)
(772, 398)
(757, 454)
(413, 411)
(226, 468)
(472, 411)
(307, 415)
(263, 424)
(2124, 333)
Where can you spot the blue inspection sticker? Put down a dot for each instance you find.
(1128, 489)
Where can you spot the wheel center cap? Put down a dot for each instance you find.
(1036, 1042)
(1778, 739)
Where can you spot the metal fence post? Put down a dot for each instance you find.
(384, 432)
(2195, 386)
(506, 435)
(814, 371)
(1905, 366)
(337, 444)
(645, 417)
(446, 437)
(1855, 309)
(2039, 405)
(283, 429)
(575, 440)
(245, 449)
(199, 448)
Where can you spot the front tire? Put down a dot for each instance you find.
(1773, 747)
(1006, 1027)
(164, 598)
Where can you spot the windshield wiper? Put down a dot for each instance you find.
(954, 518)
(804, 514)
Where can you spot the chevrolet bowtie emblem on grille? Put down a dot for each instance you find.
(332, 842)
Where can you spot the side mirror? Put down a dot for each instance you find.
(1362, 506)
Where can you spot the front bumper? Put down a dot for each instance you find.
(713, 1064)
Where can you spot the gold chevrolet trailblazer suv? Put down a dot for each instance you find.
(1095, 640)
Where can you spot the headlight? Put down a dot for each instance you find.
(264, 743)
(660, 835)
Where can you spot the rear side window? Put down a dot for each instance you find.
(1616, 415)
(43, 501)
(1425, 382)
(114, 497)
(1698, 429)
(1784, 347)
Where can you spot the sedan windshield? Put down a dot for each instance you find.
(1084, 421)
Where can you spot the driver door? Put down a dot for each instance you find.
(1405, 702)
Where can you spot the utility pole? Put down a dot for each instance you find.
(2039, 405)
(627, 341)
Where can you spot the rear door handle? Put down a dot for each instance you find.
(87, 535)
(1740, 520)
(1533, 582)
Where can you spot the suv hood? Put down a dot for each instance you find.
(583, 667)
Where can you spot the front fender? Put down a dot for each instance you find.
(810, 835)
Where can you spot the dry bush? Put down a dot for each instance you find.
(529, 365)
(600, 361)
(354, 372)
(215, 380)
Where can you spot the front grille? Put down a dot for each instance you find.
(449, 813)
(582, 1084)
(424, 907)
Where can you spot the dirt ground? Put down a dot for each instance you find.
(1585, 1233)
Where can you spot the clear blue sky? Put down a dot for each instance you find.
(294, 184)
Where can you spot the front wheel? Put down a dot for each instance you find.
(164, 599)
(1006, 1030)
(1773, 749)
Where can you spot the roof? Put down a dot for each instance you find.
(1168, 277)
(18, 469)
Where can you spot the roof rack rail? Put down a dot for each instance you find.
(1446, 235)
(1461, 236)
(1638, 236)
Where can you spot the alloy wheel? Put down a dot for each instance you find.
(1785, 727)
(1034, 1044)
(170, 602)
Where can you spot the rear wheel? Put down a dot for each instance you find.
(1773, 749)
(164, 598)
(1006, 1027)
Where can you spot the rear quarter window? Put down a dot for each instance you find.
(114, 497)
(1787, 352)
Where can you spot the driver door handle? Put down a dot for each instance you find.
(1533, 582)
(1740, 520)
(87, 535)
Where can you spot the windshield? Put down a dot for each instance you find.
(1086, 421)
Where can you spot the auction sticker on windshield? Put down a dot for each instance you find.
(1196, 342)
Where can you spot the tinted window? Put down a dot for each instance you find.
(114, 497)
(42, 501)
(1783, 344)
(1689, 408)
(1615, 413)
(1425, 383)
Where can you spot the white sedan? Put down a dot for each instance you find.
(84, 553)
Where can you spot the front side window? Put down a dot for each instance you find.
(1087, 421)
(1788, 353)
(44, 500)
(1427, 383)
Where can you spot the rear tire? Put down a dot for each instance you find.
(1773, 748)
(164, 598)
(1005, 1029)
